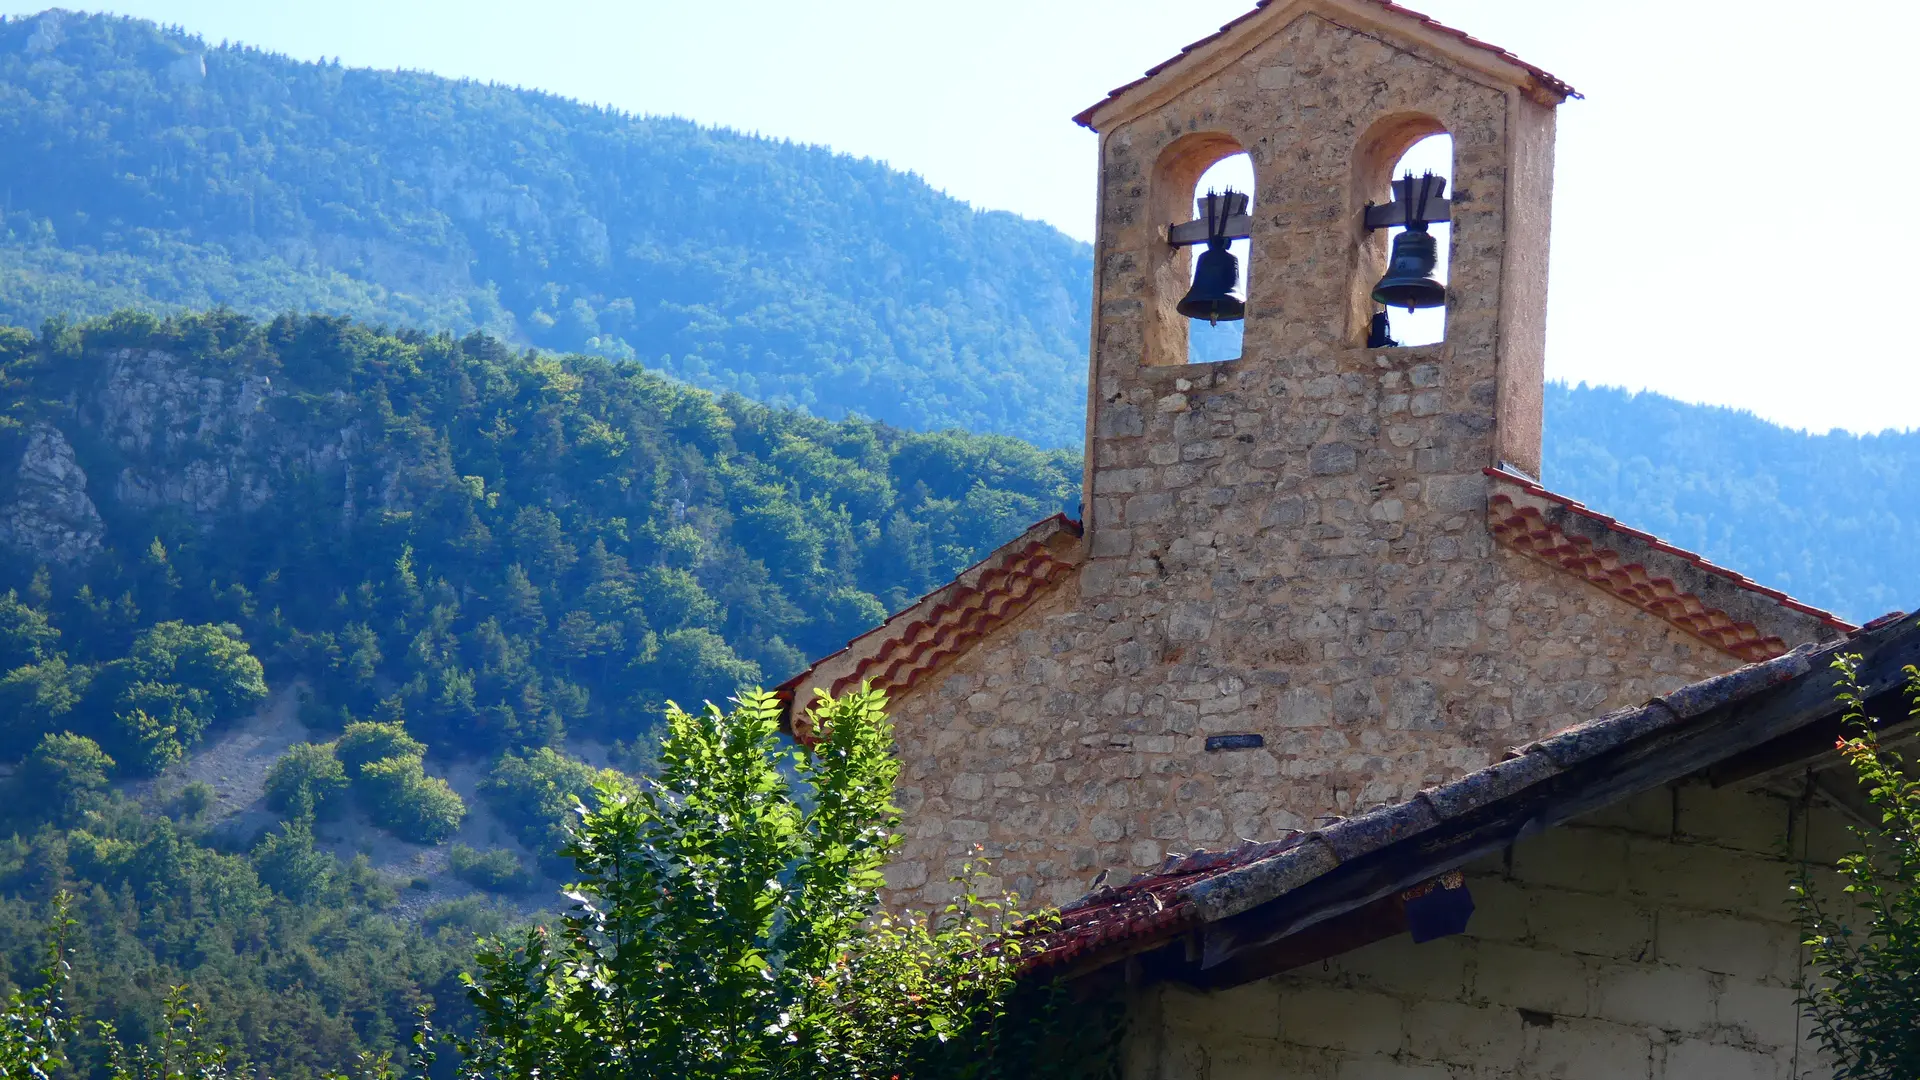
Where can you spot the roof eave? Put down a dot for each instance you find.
(1381, 17)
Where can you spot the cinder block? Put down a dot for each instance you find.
(1342, 1020)
(1731, 818)
(1266, 1060)
(1708, 879)
(1385, 1068)
(1595, 925)
(1464, 1034)
(1671, 999)
(1500, 910)
(1570, 1049)
(1436, 969)
(1766, 1015)
(1584, 860)
(1698, 1059)
(1750, 950)
(1525, 978)
(1649, 813)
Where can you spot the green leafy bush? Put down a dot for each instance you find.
(288, 863)
(400, 796)
(1864, 943)
(743, 890)
(365, 742)
(308, 779)
(65, 774)
(536, 794)
(498, 870)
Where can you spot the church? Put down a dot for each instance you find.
(1347, 747)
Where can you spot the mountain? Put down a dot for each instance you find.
(147, 169)
(441, 583)
(1831, 519)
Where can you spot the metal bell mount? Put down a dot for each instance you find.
(1409, 282)
(1218, 273)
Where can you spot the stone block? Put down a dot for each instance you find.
(1457, 494)
(1332, 459)
(1670, 999)
(1378, 1067)
(1763, 1015)
(1698, 1059)
(1587, 1050)
(1528, 978)
(1732, 946)
(1342, 1020)
(1463, 1034)
(1593, 925)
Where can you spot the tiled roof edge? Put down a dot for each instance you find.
(1208, 887)
(1244, 888)
(1085, 117)
(1018, 555)
(1700, 562)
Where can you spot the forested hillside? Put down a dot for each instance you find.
(1832, 519)
(472, 558)
(147, 169)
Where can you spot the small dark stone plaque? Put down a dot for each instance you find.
(1236, 742)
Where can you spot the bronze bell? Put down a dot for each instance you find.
(1214, 279)
(1409, 280)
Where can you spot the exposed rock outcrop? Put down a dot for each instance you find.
(51, 517)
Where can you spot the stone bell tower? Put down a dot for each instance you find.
(1305, 583)
(1360, 452)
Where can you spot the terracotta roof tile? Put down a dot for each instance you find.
(945, 622)
(1528, 530)
(1085, 117)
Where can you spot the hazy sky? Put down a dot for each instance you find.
(1736, 199)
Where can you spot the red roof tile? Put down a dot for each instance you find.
(945, 622)
(1546, 80)
(1527, 529)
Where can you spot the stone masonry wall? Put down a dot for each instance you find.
(1651, 942)
(1293, 544)
(1072, 741)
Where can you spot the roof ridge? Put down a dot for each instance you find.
(1085, 117)
(1614, 525)
(944, 621)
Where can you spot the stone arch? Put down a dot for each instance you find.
(1375, 156)
(1170, 269)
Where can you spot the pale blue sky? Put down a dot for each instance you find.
(1662, 277)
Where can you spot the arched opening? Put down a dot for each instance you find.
(1425, 326)
(1183, 172)
(1222, 341)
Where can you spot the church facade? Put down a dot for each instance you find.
(1320, 577)
(1346, 748)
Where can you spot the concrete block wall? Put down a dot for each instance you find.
(1650, 942)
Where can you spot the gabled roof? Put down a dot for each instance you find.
(1379, 9)
(943, 623)
(1209, 912)
(1727, 610)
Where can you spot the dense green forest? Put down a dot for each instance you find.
(148, 169)
(464, 553)
(476, 568)
(1831, 519)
